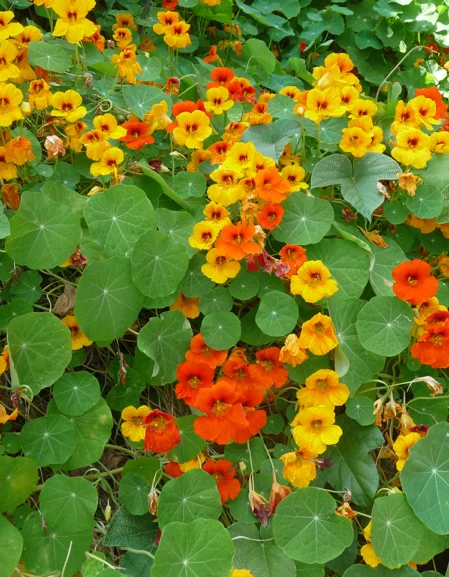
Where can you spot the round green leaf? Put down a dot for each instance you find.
(140, 98)
(68, 502)
(151, 68)
(76, 393)
(384, 324)
(275, 424)
(215, 301)
(191, 444)
(133, 493)
(18, 477)
(395, 212)
(147, 467)
(308, 529)
(203, 547)
(40, 347)
(11, 544)
(221, 330)
(425, 479)
(251, 333)
(427, 201)
(49, 56)
(361, 410)
(306, 220)
(107, 301)
(192, 496)
(385, 259)
(245, 286)
(118, 217)
(43, 233)
(158, 264)
(48, 440)
(396, 531)
(176, 225)
(15, 309)
(240, 509)
(28, 289)
(189, 184)
(195, 284)
(277, 314)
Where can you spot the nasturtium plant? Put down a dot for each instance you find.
(224, 264)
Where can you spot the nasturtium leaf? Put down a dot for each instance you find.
(395, 212)
(151, 68)
(251, 333)
(275, 424)
(140, 98)
(48, 440)
(46, 549)
(61, 194)
(195, 284)
(281, 106)
(308, 529)
(27, 287)
(66, 174)
(271, 139)
(240, 509)
(126, 530)
(361, 410)
(189, 184)
(380, 571)
(40, 347)
(306, 219)
(362, 363)
(435, 177)
(177, 226)
(358, 181)
(430, 544)
(277, 314)
(192, 496)
(202, 547)
(107, 301)
(6, 267)
(426, 203)
(245, 286)
(396, 531)
(133, 493)
(48, 56)
(76, 393)
(136, 565)
(125, 394)
(43, 233)
(221, 330)
(264, 559)
(306, 570)
(258, 51)
(347, 262)
(384, 324)
(18, 477)
(216, 300)
(68, 502)
(191, 444)
(118, 217)
(147, 467)
(385, 259)
(425, 479)
(425, 409)
(237, 453)
(15, 309)
(165, 339)
(11, 544)
(158, 264)
(93, 429)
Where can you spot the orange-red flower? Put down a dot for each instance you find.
(236, 242)
(18, 151)
(432, 347)
(236, 371)
(413, 282)
(256, 419)
(220, 77)
(294, 256)
(270, 215)
(187, 305)
(212, 56)
(224, 474)
(192, 378)
(200, 353)
(271, 186)
(137, 134)
(162, 433)
(435, 95)
(224, 414)
(172, 469)
(269, 370)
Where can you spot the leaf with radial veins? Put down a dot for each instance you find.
(11, 544)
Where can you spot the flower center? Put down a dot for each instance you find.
(412, 280)
(322, 385)
(158, 425)
(316, 425)
(266, 365)
(319, 328)
(194, 382)
(220, 408)
(217, 476)
(437, 340)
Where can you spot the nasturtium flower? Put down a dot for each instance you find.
(314, 428)
(10, 100)
(199, 352)
(72, 22)
(211, 2)
(227, 189)
(362, 107)
(425, 225)
(97, 39)
(124, 20)
(79, 339)
(291, 352)
(369, 556)
(234, 131)
(68, 105)
(219, 151)
(402, 446)
(348, 95)
(432, 348)
(236, 240)
(217, 214)
(177, 35)
(439, 142)
(108, 163)
(318, 335)
(187, 305)
(123, 37)
(294, 256)
(127, 64)
(323, 388)
(193, 129)
(4, 360)
(433, 93)
(132, 425)
(240, 157)
(313, 282)
(270, 185)
(8, 171)
(241, 573)
(39, 95)
(10, 198)
(322, 104)
(425, 111)
(299, 468)
(166, 19)
(109, 125)
(257, 419)
(224, 474)
(73, 133)
(404, 118)
(204, 235)
(413, 282)
(162, 433)
(412, 148)
(96, 143)
(192, 377)
(157, 117)
(4, 417)
(8, 28)
(425, 309)
(270, 216)
(269, 369)
(355, 141)
(294, 175)
(292, 92)
(8, 53)
(18, 151)
(219, 268)
(28, 34)
(218, 100)
(138, 134)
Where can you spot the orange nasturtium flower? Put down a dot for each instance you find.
(39, 95)
(271, 186)
(217, 214)
(68, 105)
(401, 447)
(192, 377)
(223, 473)
(299, 468)
(236, 241)
(137, 134)
(123, 37)
(18, 151)
(127, 64)
(4, 417)
(10, 196)
(432, 348)
(8, 28)
(187, 305)
(72, 22)
(270, 216)
(162, 433)
(323, 388)
(291, 352)
(294, 256)
(79, 339)
(313, 282)
(124, 20)
(199, 352)
(10, 100)
(315, 428)
(193, 129)
(132, 426)
(318, 335)
(413, 282)
(108, 164)
(269, 370)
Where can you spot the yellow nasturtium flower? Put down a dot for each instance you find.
(132, 426)
(72, 22)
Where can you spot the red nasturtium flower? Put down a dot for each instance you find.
(270, 216)
(220, 77)
(192, 378)
(269, 370)
(162, 433)
(432, 347)
(137, 134)
(200, 353)
(271, 186)
(224, 474)
(236, 241)
(173, 469)
(413, 282)
(224, 414)
(257, 419)
(294, 256)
